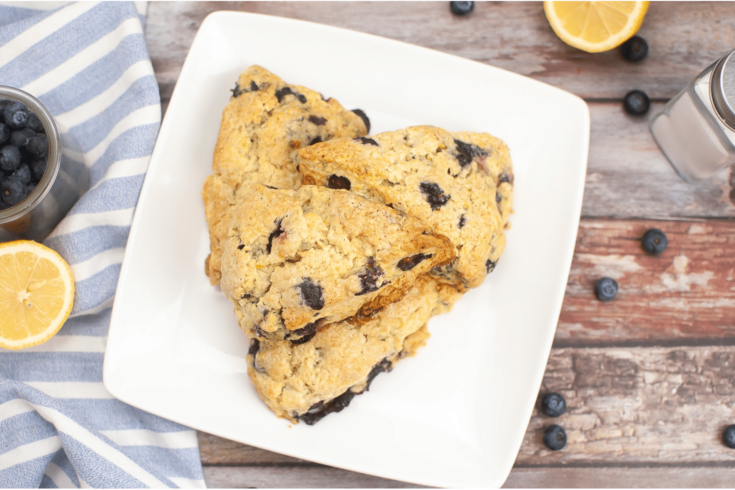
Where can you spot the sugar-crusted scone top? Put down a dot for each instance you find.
(459, 183)
(263, 126)
(297, 260)
(308, 381)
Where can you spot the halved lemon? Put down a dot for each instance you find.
(595, 26)
(36, 293)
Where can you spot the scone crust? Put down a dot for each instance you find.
(292, 379)
(458, 183)
(297, 260)
(263, 126)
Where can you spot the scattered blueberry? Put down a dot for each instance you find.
(606, 289)
(275, 234)
(555, 437)
(4, 133)
(553, 405)
(462, 221)
(9, 158)
(315, 140)
(280, 94)
(634, 49)
(370, 280)
(636, 103)
(12, 191)
(34, 123)
(504, 177)
(15, 114)
(461, 8)
(37, 145)
(466, 152)
(20, 137)
(654, 241)
(728, 436)
(22, 173)
(30, 187)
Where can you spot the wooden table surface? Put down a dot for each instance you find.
(649, 378)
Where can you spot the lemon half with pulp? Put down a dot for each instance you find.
(595, 26)
(36, 293)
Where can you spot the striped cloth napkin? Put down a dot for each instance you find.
(59, 427)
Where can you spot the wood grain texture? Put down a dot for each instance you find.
(684, 38)
(684, 296)
(629, 177)
(646, 477)
(638, 405)
(313, 476)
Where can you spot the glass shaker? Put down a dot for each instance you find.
(62, 184)
(696, 129)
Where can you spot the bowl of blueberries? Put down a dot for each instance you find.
(36, 190)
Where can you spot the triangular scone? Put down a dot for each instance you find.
(297, 260)
(308, 381)
(460, 184)
(262, 128)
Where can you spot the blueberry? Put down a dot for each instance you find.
(408, 263)
(555, 437)
(553, 405)
(275, 234)
(361, 114)
(312, 294)
(9, 158)
(728, 436)
(4, 133)
(38, 167)
(466, 152)
(636, 103)
(280, 94)
(634, 49)
(315, 140)
(3, 104)
(34, 123)
(435, 196)
(370, 280)
(461, 8)
(20, 137)
(30, 187)
(338, 182)
(367, 141)
(462, 221)
(22, 173)
(654, 241)
(12, 191)
(606, 289)
(490, 265)
(37, 145)
(319, 121)
(15, 114)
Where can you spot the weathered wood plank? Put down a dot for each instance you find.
(685, 295)
(629, 177)
(637, 405)
(666, 477)
(684, 38)
(312, 476)
(218, 451)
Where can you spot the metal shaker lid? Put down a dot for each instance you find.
(722, 86)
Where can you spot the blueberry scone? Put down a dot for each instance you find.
(308, 381)
(460, 184)
(262, 128)
(295, 261)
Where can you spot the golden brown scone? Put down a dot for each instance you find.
(297, 260)
(262, 128)
(460, 184)
(308, 381)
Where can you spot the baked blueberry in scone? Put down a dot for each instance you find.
(263, 126)
(460, 184)
(296, 260)
(307, 381)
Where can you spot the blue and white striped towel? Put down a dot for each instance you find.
(59, 427)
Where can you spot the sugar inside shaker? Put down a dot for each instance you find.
(696, 129)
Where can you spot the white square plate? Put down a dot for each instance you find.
(453, 416)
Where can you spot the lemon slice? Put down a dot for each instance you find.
(595, 26)
(36, 294)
